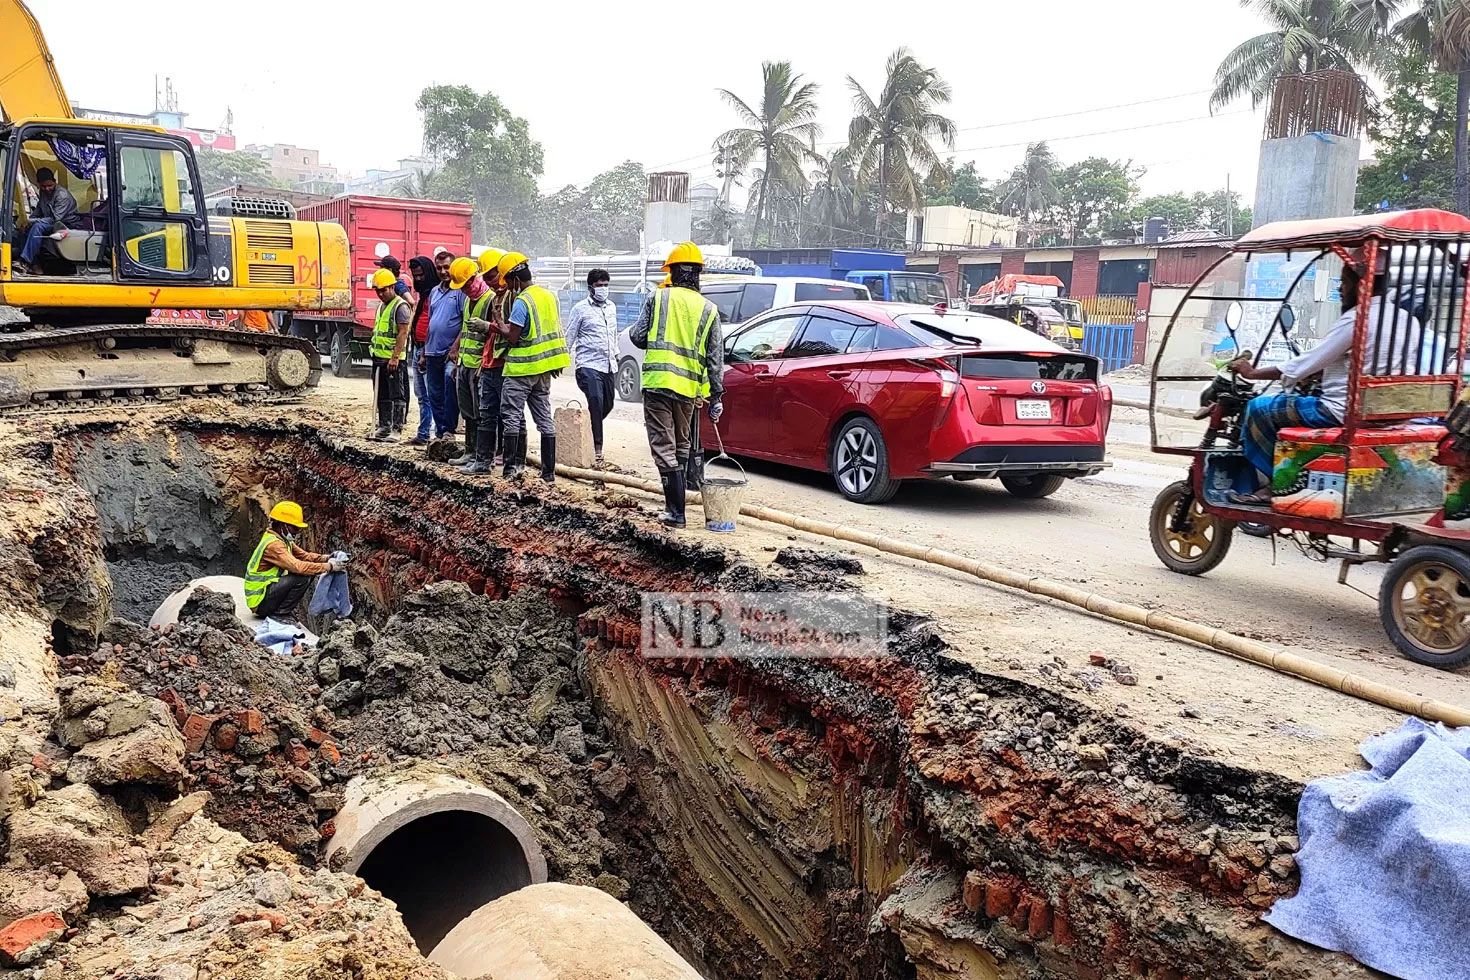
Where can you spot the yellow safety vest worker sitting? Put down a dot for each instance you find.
(279, 571)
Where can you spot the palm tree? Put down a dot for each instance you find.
(1439, 29)
(717, 226)
(1308, 35)
(833, 201)
(891, 134)
(416, 187)
(782, 133)
(1032, 186)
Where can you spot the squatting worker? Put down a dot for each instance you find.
(684, 361)
(477, 350)
(279, 572)
(468, 346)
(446, 316)
(534, 354)
(390, 339)
(592, 338)
(424, 280)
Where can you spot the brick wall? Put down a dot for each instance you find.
(1013, 260)
(949, 268)
(1084, 272)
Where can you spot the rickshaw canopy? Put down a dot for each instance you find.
(1395, 226)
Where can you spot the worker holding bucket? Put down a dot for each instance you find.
(679, 330)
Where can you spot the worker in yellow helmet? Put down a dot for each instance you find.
(280, 571)
(534, 354)
(679, 330)
(481, 316)
(390, 339)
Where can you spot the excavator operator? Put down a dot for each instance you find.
(55, 211)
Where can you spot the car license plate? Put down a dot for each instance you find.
(1033, 408)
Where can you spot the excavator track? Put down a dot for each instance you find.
(70, 369)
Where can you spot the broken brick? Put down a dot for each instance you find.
(1039, 923)
(998, 900)
(27, 938)
(225, 736)
(250, 721)
(315, 736)
(297, 754)
(175, 704)
(973, 891)
(1061, 930)
(330, 753)
(196, 730)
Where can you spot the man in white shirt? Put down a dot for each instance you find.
(1394, 339)
(592, 338)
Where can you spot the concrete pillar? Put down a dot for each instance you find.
(1013, 260)
(1086, 266)
(558, 932)
(949, 268)
(1311, 176)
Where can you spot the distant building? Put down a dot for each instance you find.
(948, 226)
(702, 198)
(298, 167)
(169, 119)
(384, 182)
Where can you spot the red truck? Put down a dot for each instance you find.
(377, 226)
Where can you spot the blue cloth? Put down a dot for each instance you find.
(330, 594)
(1266, 415)
(421, 393)
(451, 397)
(446, 319)
(520, 313)
(35, 234)
(1385, 856)
(434, 382)
(279, 637)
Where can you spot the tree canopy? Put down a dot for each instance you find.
(219, 169)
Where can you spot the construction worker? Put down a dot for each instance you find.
(390, 339)
(464, 275)
(684, 361)
(534, 354)
(279, 572)
(481, 316)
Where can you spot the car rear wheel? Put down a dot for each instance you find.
(342, 352)
(859, 463)
(1032, 486)
(630, 381)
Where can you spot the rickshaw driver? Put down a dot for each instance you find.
(1265, 415)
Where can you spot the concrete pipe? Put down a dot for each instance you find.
(558, 932)
(438, 846)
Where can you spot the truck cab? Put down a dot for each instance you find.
(924, 288)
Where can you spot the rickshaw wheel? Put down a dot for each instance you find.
(1424, 604)
(1204, 542)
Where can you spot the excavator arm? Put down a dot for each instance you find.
(29, 84)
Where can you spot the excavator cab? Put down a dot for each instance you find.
(140, 215)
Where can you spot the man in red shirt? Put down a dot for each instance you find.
(424, 280)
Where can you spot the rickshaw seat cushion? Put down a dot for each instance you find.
(1386, 436)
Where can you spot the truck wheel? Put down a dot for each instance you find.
(630, 381)
(1032, 486)
(1203, 541)
(342, 352)
(1424, 605)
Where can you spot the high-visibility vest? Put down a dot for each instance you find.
(258, 578)
(385, 330)
(678, 338)
(540, 348)
(470, 346)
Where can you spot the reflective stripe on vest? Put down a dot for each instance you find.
(385, 330)
(258, 579)
(470, 346)
(677, 338)
(540, 348)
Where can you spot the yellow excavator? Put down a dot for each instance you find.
(72, 321)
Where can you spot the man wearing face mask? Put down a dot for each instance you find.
(592, 338)
(280, 571)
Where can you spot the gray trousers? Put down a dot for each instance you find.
(527, 390)
(467, 390)
(668, 419)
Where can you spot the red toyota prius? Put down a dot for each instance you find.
(878, 393)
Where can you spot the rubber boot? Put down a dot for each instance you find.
(471, 443)
(515, 459)
(548, 459)
(481, 462)
(673, 515)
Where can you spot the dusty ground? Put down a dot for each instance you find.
(1093, 534)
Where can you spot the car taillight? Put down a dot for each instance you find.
(948, 369)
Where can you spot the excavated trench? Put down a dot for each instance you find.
(903, 817)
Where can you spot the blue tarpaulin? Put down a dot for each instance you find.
(1385, 857)
(330, 594)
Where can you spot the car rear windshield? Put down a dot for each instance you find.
(1055, 367)
(810, 291)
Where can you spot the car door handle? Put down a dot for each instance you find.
(839, 375)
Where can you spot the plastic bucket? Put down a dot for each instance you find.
(722, 496)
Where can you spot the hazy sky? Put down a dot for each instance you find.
(599, 88)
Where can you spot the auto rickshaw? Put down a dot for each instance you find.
(1392, 482)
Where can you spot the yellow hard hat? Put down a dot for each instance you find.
(489, 259)
(684, 253)
(461, 271)
(383, 278)
(289, 511)
(509, 261)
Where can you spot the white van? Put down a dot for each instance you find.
(738, 298)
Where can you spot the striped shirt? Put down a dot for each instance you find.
(592, 335)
